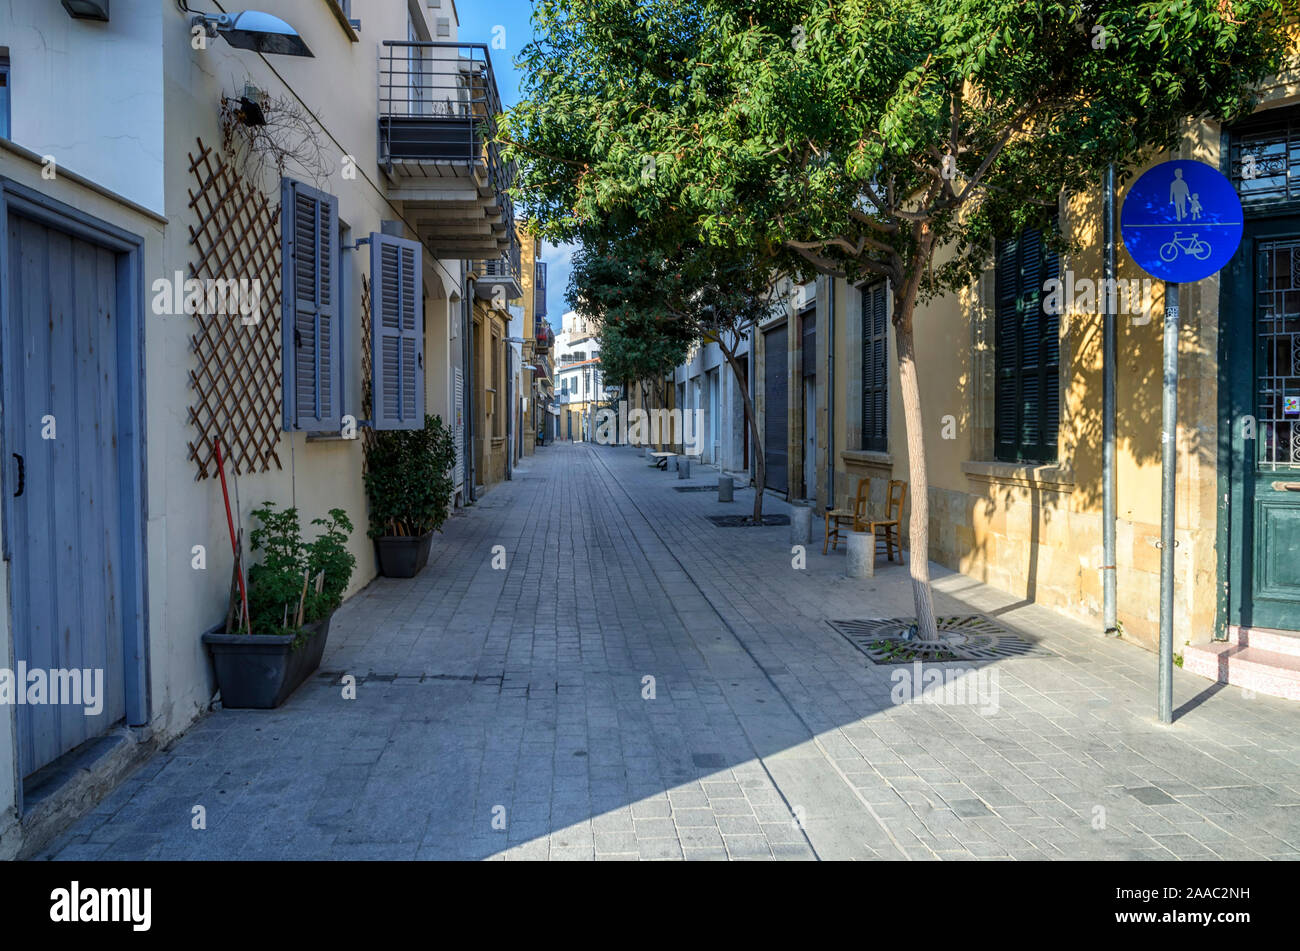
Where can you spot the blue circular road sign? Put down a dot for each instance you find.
(1181, 221)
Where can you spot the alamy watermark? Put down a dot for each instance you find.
(655, 427)
(1084, 295)
(54, 687)
(950, 686)
(208, 297)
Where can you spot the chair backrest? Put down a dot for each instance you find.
(895, 496)
(860, 500)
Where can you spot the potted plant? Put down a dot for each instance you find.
(293, 592)
(408, 483)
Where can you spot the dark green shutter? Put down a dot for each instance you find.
(1027, 351)
(875, 374)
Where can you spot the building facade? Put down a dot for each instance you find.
(1014, 415)
(579, 385)
(285, 250)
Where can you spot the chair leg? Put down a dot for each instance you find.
(827, 540)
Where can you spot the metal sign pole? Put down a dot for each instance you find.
(1168, 480)
(1182, 222)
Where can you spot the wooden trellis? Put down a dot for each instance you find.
(236, 378)
(367, 365)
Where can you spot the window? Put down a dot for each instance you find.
(4, 97)
(315, 343)
(875, 372)
(1028, 352)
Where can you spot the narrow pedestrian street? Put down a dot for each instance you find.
(638, 683)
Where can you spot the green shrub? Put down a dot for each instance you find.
(275, 583)
(408, 479)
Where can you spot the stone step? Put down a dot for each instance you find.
(1263, 638)
(1251, 668)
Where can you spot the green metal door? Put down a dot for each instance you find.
(1262, 317)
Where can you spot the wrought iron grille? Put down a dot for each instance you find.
(1265, 156)
(1277, 330)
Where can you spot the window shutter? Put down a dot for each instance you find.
(312, 367)
(397, 328)
(1006, 349)
(1027, 403)
(875, 372)
(1051, 360)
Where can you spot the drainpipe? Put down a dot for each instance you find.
(467, 349)
(753, 399)
(508, 405)
(830, 393)
(1109, 350)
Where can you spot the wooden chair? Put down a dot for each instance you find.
(855, 517)
(895, 497)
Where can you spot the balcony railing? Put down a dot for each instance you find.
(502, 271)
(438, 103)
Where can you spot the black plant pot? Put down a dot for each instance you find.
(259, 672)
(402, 556)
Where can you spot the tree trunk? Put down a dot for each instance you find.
(918, 527)
(751, 419)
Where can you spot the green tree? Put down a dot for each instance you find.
(866, 139)
(654, 303)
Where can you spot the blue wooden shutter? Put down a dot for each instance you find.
(312, 364)
(397, 332)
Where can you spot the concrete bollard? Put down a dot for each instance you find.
(726, 489)
(683, 467)
(800, 523)
(861, 561)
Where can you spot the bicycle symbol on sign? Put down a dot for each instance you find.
(1193, 245)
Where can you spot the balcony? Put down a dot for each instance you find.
(542, 331)
(500, 272)
(438, 106)
(539, 290)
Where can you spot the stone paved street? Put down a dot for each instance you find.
(500, 714)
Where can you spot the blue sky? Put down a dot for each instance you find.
(510, 21)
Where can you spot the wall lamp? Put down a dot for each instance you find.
(87, 9)
(252, 30)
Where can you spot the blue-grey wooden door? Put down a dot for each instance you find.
(60, 362)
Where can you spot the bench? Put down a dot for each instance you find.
(661, 459)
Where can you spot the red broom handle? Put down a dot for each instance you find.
(230, 523)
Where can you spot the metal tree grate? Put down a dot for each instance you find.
(970, 637)
(236, 380)
(746, 521)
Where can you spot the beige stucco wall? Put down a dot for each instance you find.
(338, 86)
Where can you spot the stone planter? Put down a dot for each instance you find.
(801, 522)
(402, 556)
(861, 561)
(259, 672)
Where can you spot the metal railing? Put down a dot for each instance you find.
(505, 267)
(439, 102)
